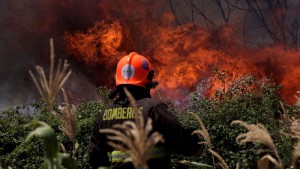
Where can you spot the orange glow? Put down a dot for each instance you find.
(182, 56)
(100, 41)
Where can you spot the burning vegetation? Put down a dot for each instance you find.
(196, 48)
(185, 39)
(191, 51)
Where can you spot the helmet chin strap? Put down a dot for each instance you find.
(151, 85)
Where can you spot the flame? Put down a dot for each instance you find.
(98, 33)
(183, 56)
(103, 39)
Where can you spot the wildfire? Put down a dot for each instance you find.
(183, 56)
(100, 41)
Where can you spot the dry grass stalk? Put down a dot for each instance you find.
(295, 128)
(221, 160)
(204, 133)
(297, 99)
(49, 88)
(266, 159)
(67, 117)
(296, 131)
(237, 166)
(258, 133)
(263, 163)
(134, 138)
(288, 122)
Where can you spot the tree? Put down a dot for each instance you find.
(279, 20)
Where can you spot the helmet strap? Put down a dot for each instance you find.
(151, 85)
(150, 75)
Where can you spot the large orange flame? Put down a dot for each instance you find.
(102, 39)
(183, 55)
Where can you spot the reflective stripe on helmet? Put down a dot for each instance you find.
(119, 156)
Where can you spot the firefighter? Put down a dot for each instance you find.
(135, 73)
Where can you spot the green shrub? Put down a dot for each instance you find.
(53, 158)
(249, 100)
(14, 129)
(87, 114)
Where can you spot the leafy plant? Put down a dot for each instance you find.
(53, 158)
(246, 99)
(203, 132)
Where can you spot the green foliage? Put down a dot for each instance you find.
(14, 129)
(87, 114)
(53, 158)
(104, 93)
(249, 100)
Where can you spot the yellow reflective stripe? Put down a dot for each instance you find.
(157, 152)
(119, 156)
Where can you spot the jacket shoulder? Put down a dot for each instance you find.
(151, 102)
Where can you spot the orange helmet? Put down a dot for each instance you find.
(134, 69)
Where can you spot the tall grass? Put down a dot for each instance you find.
(259, 134)
(49, 88)
(54, 159)
(68, 118)
(204, 133)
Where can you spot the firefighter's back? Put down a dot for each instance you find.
(163, 122)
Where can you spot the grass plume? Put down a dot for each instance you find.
(68, 118)
(136, 139)
(204, 133)
(258, 133)
(296, 134)
(49, 87)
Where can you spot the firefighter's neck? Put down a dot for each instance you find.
(137, 92)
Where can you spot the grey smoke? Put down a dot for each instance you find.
(24, 43)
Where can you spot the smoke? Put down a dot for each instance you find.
(188, 52)
(26, 27)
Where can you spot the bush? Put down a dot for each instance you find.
(13, 131)
(249, 100)
(87, 114)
